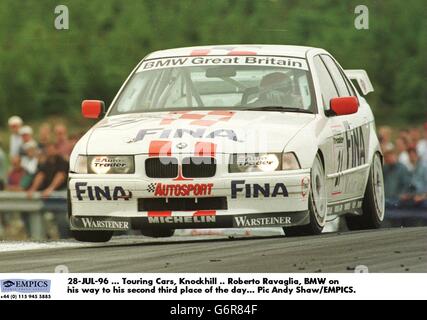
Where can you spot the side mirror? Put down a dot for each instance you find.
(93, 109)
(343, 105)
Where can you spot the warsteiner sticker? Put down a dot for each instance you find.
(247, 221)
(101, 223)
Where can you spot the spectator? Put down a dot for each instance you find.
(29, 163)
(403, 157)
(417, 193)
(2, 169)
(422, 146)
(404, 134)
(15, 124)
(415, 135)
(74, 139)
(26, 133)
(396, 178)
(51, 175)
(384, 135)
(15, 175)
(45, 134)
(62, 142)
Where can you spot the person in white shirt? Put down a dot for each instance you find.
(30, 161)
(26, 133)
(15, 143)
(403, 156)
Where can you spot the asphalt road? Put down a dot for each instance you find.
(384, 250)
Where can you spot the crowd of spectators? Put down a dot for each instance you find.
(405, 167)
(35, 163)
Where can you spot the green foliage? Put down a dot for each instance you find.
(46, 72)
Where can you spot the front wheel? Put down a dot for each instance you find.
(373, 206)
(92, 236)
(317, 203)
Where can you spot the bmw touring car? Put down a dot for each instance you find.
(239, 136)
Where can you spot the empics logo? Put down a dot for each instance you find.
(25, 286)
(254, 190)
(101, 193)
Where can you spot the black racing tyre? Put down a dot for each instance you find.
(157, 232)
(373, 206)
(317, 203)
(92, 236)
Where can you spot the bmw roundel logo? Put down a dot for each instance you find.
(182, 145)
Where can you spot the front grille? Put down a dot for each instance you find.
(161, 167)
(198, 167)
(182, 204)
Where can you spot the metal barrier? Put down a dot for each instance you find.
(11, 202)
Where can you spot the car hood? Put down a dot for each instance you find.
(184, 132)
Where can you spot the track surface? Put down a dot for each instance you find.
(385, 250)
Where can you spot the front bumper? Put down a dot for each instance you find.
(251, 200)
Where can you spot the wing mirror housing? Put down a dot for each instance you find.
(343, 106)
(93, 109)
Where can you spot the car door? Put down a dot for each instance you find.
(334, 147)
(349, 148)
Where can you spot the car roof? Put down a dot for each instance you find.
(238, 49)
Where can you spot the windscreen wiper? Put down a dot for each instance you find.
(279, 108)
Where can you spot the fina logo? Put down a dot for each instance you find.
(25, 286)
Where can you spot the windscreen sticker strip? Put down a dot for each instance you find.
(194, 61)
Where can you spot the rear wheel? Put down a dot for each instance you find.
(157, 232)
(92, 236)
(373, 206)
(317, 203)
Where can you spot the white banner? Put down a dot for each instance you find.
(268, 61)
(148, 286)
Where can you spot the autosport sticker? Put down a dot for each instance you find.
(83, 190)
(183, 190)
(99, 223)
(287, 62)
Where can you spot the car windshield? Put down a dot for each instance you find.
(183, 83)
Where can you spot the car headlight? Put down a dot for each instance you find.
(290, 161)
(267, 162)
(255, 162)
(105, 164)
(81, 164)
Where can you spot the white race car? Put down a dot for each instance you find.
(229, 136)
